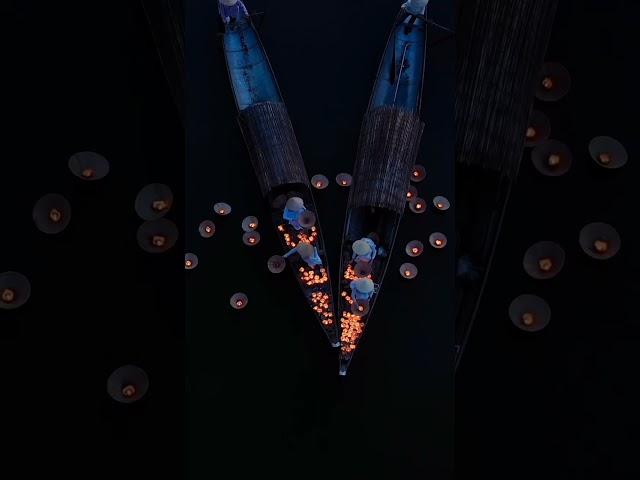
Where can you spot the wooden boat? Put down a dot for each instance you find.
(277, 161)
(388, 147)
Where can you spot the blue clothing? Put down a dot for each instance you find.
(357, 295)
(416, 7)
(368, 257)
(237, 11)
(315, 259)
(292, 217)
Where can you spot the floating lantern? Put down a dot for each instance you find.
(360, 307)
(222, 209)
(418, 173)
(441, 203)
(608, 152)
(276, 264)
(600, 241)
(408, 271)
(543, 260)
(554, 82)
(128, 384)
(207, 229)
(418, 205)
(529, 313)
(307, 219)
(52, 214)
(414, 248)
(153, 201)
(190, 261)
(89, 166)
(15, 290)
(344, 179)
(157, 236)
(239, 301)
(551, 158)
(320, 182)
(249, 224)
(362, 269)
(412, 192)
(438, 240)
(538, 129)
(251, 239)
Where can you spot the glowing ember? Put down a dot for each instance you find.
(545, 264)
(547, 83)
(8, 295)
(412, 192)
(531, 132)
(129, 391)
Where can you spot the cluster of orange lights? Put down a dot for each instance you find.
(352, 327)
(322, 307)
(350, 274)
(301, 237)
(310, 277)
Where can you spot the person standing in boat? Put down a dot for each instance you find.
(307, 252)
(362, 289)
(292, 211)
(364, 250)
(232, 10)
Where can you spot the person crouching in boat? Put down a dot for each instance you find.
(307, 252)
(364, 250)
(362, 289)
(232, 10)
(292, 211)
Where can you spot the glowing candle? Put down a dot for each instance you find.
(190, 261)
(438, 240)
(320, 182)
(222, 209)
(408, 271)
(344, 179)
(441, 203)
(251, 239)
(412, 192)
(418, 173)
(207, 229)
(88, 166)
(239, 301)
(418, 205)
(250, 223)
